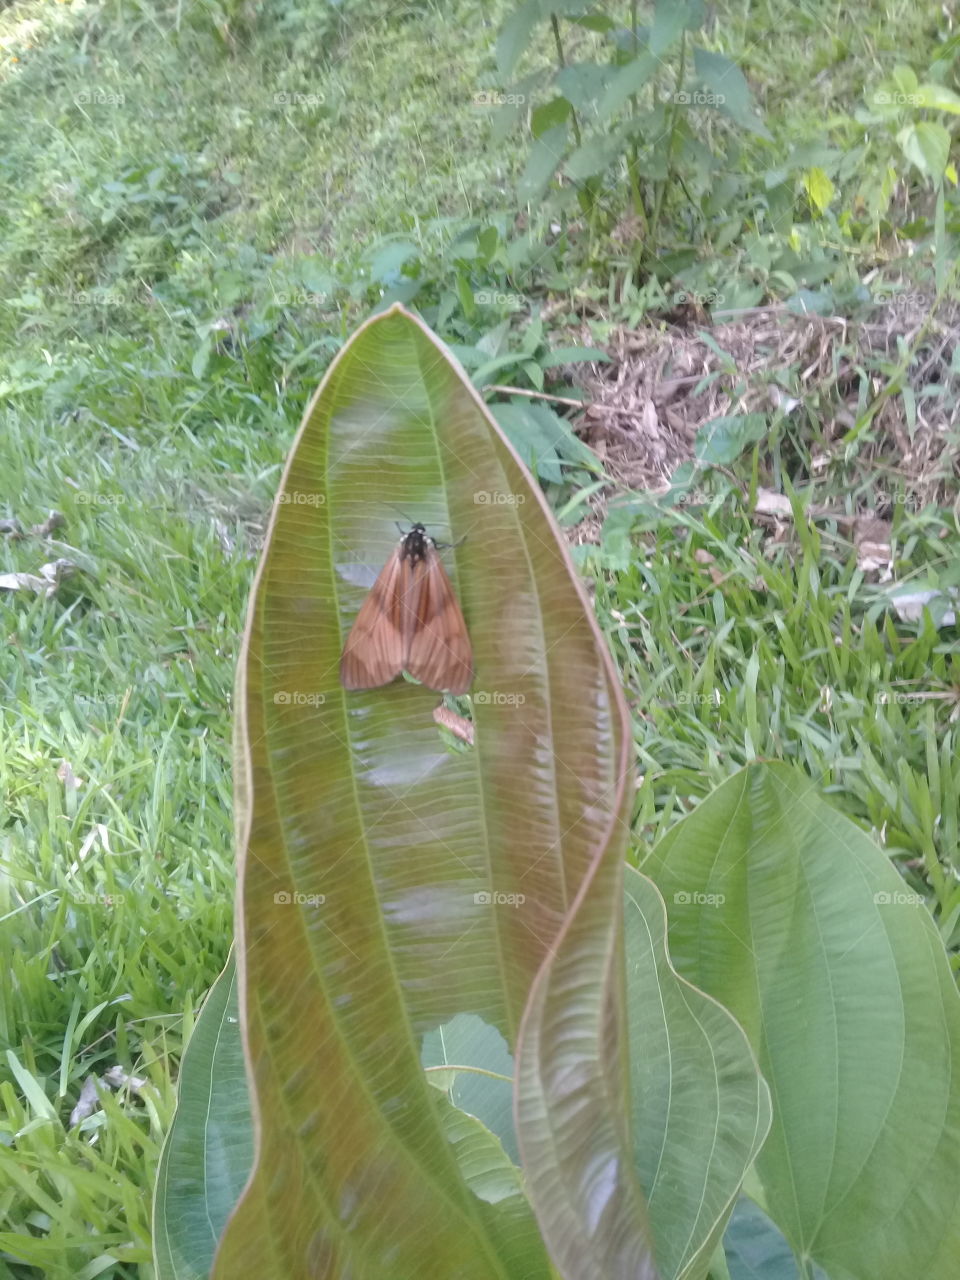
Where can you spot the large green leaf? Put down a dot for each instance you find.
(790, 916)
(209, 1149)
(572, 1072)
(387, 883)
(471, 1062)
(700, 1111)
(700, 1107)
(755, 1249)
(498, 1185)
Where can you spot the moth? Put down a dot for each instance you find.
(410, 621)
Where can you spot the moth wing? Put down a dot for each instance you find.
(373, 653)
(438, 651)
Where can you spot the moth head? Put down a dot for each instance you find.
(415, 543)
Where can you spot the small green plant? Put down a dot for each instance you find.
(905, 121)
(630, 122)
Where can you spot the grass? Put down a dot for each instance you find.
(731, 654)
(181, 255)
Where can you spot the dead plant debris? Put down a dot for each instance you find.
(666, 382)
